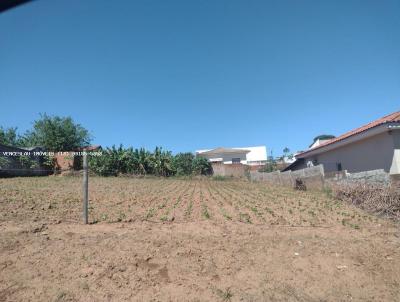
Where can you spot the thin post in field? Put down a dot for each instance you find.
(85, 189)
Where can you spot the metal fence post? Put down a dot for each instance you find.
(85, 189)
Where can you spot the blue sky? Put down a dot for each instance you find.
(188, 75)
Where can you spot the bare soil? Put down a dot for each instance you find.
(190, 240)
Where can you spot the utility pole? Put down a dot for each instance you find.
(85, 188)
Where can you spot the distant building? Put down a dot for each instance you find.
(375, 145)
(318, 142)
(65, 161)
(286, 159)
(253, 156)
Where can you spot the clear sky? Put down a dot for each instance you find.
(195, 74)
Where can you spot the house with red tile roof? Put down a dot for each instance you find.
(375, 145)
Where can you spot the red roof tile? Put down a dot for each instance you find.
(391, 118)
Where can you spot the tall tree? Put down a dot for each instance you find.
(201, 166)
(8, 136)
(56, 133)
(162, 162)
(286, 151)
(182, 163)
(287, 154)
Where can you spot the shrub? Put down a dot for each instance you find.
(201, 166)
(4, 162)
(219, 178)
(48, 162)
(9, 136)
(300, 185)
(27, 163)
(182, 163)
(105, 165)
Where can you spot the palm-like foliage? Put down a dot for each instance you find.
(119, 160)
(162, 162)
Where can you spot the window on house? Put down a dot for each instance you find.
(236, 160)
(339, 166)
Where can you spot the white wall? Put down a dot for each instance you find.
(395, 167)
(257, 154)
(226, 158)
(318, 142)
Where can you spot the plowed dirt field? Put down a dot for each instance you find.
(156, 239)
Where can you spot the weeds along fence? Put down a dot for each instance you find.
(311, 178)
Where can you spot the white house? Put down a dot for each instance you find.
(319, 142)
(245, 155)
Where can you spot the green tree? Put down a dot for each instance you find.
(182, 163)
(287, 154)
(286, 151)
(27, 163)
(4, 162)
(162, 162)
(107, 164)
(143, 162)
(115, 161)
(56, 133)
(120, 160)
(201, 166)
(9, 136)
